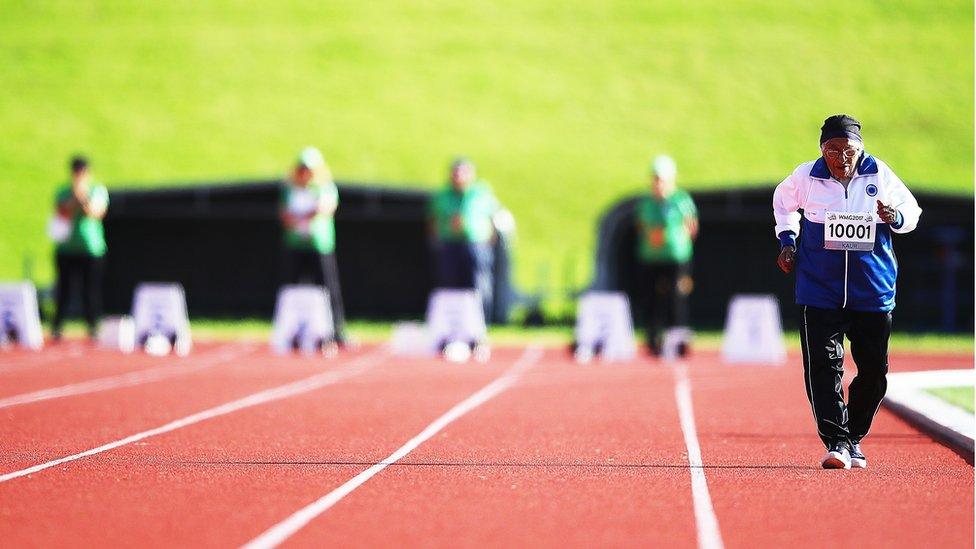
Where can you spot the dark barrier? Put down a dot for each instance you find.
(224, 244)
(736, 253)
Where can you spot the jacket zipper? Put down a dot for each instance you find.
(846, 252)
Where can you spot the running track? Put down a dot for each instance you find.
(233, 445)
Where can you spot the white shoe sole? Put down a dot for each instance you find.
(859, 463)
(834, 460)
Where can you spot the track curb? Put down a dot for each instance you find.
(949, 425)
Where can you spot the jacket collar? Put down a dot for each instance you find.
(865, 166)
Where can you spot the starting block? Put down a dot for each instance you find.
(160, 318)
(604, 327)
(117, 333)
(753, 330)
(676, 342)
(454, 318)
(20, 322)
(302, 320)
(410, 339)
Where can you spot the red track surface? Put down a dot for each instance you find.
(568, 455)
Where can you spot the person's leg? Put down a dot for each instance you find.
(330, 274)
(644, 296)
(449, 259)
(682, 289)
(310, 268)
(62, 292)
(669, 295)
(91, 291)
(822, 346)
(869, 335)
(662, 282)
(289, 271)
(483, 262)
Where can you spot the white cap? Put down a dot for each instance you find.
(664, 167)
(311, 158)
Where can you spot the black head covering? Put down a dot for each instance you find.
(840, 125)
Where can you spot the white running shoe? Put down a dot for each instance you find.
(858, 459)
(838, 457)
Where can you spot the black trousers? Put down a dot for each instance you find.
(468, 265)
(311, 267)
(663, 290)
(822, 333)
(71, 271)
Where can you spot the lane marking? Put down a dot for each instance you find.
(709, 536)
(268, 395)
(280, 532)
(129, 379)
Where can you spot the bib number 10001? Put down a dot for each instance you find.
(849, 231)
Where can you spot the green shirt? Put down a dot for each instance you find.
(318, 232)
(464, 217)
(663, 230)
(87, 234)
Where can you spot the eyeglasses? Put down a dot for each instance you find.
(848, 153)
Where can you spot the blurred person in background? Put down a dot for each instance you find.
(667, 225)
(309, 199)
(841, 248)
(461, 225)
(76, 228)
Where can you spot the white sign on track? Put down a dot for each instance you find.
(117, 333)
(20, 322)
(159, 311)
(302, 319)
(753, 330)
(604, 326)
(455, 316)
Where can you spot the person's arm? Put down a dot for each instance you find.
(691, 217)
(96, 206)
(786, 204)
(287, 219)
(901, 211)
(328, 200)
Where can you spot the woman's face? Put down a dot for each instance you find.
(841, 155)
(303, 175)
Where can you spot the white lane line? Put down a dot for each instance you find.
(129, 379)
(268, 395)
(298, 520)
(709, 536)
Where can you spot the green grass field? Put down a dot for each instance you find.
(957, 396)
(562, 105)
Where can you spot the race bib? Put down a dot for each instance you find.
(852, 231)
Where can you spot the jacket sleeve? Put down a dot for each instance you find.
(786, 202)
(898, 196)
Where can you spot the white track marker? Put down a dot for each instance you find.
(138, 377)
(709, 536)
(280, 532)
(268, 395)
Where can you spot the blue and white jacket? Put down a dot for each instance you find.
(837, 279)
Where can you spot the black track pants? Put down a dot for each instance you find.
(822, 333)
(311, 267)
(87, 272)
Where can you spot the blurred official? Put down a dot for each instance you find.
(76, 228)
(309, 199)
(835, 217)
(462, 228)
(667, 225)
